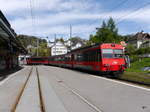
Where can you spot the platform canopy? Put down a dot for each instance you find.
(8, 41)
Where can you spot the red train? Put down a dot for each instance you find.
(37, 60)
(107, 58)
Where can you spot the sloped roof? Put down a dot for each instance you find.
(140, 36)
(58, 43)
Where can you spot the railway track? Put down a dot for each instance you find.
(36, 95)
(46, 92)
(30, 96)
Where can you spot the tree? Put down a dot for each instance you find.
(32, 40)
(108, 33)
(43, 50)
(141, 51)
(130, 49)
(76, 39)
(126, 38)
(60, 39)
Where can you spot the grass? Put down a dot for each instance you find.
(138, 65)
(137, 77)
(135, 73)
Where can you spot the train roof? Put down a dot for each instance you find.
(96, 45)
(86, 47)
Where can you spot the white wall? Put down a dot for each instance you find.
(139, 43)
(58, 49)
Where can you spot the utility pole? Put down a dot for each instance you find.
(55, 43)
(37, 47)
(70, 31)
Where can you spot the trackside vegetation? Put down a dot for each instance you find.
(136, 74)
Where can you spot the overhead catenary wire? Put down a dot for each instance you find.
(135, 11)
(122, 18)
(32, 15)
(113, 8)
(119, 5)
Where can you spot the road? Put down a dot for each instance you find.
(65, 90)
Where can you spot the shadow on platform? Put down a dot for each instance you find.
(5, 73)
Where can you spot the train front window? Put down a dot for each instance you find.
(118, 53)
(112, 53)
(107, 53)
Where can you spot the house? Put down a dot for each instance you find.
(58, 48)
(68, 43)
(29, 49)
(140, 39)
(76, 45)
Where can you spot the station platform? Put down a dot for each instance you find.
(26, 91)
(53, 89)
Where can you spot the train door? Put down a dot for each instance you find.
(72, 60)
(96, 60)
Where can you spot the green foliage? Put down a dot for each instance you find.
(135, 53)
(139, 64)
(136, 77)
(32, 40)
(108, 33)
(142, 51)
(76, 39)
(43, 50)
(61, 40)
(29, 40)
(130, 49)
(126, 38)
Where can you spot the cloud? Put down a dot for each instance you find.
(13, 5)
(55, 16)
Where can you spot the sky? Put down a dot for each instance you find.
(45, 18)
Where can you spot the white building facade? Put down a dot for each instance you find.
(58, 49)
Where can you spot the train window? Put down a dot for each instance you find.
(107, 51)
(65, 58)
(118, 53)
(90, 56)
(80, 57)
(99, 55)
(107, 55)
(75, 57)
(94, 55)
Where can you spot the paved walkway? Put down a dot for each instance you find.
(53, 89)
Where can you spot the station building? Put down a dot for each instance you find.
(10, 46)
